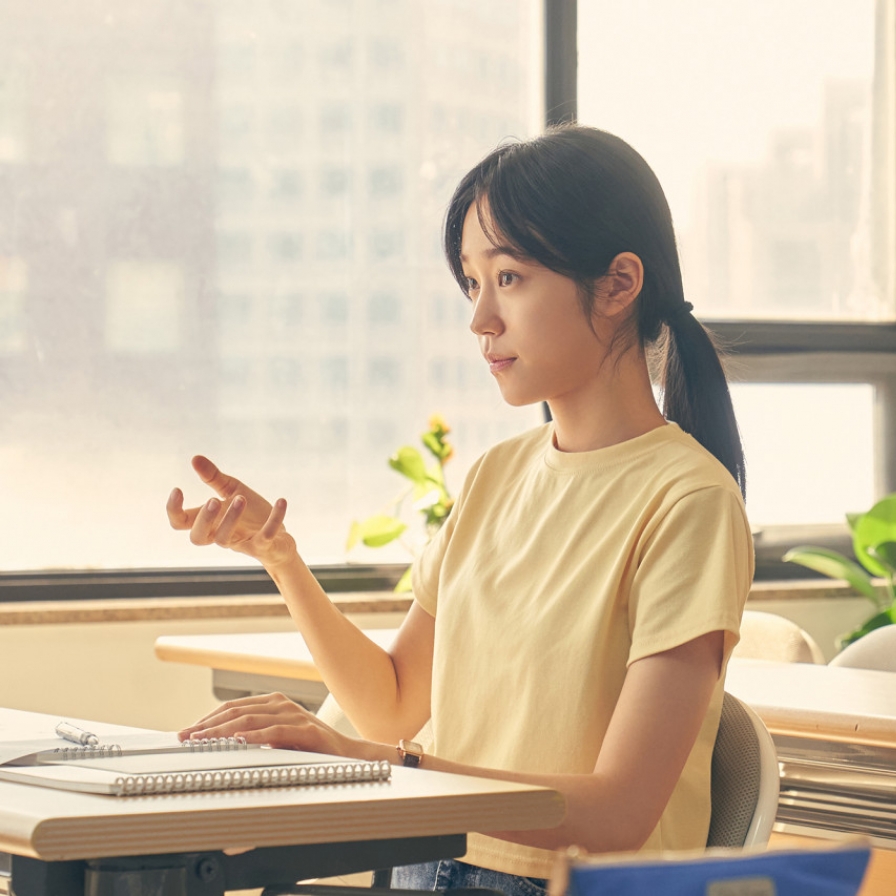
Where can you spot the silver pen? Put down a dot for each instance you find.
(76, 735)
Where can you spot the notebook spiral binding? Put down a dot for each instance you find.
(234, 779)
(105, 751)
(88, 751)
(211, 744)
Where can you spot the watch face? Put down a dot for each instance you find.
(410, 753)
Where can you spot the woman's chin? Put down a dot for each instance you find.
(517, 399)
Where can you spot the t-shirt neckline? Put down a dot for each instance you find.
(621, 452)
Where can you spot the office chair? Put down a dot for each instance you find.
(876, 650)
(767, 636)
(745, 779)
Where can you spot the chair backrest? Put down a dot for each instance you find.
(745, 779)
(767, 636)
(876, 650)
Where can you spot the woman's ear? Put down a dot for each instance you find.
(621, 285)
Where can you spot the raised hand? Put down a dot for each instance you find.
(239, 519)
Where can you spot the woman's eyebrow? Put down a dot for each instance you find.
(494, 251)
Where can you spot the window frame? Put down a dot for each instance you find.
(775, 351)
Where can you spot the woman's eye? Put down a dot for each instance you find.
(471, 285)
(505, 278)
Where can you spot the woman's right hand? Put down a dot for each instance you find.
(239, 519)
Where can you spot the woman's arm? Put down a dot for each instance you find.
(654, 727)
(384, 693)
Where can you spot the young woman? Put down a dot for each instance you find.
(573, 617)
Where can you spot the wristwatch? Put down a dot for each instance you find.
(409, 753)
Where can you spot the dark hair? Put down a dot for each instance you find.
(572, 200)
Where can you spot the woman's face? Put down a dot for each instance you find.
(529, 321)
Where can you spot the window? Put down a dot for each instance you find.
(285, 247)
(235, 190)
(384, 308)
(334, 181)
(384, 373)
(144, 302)
(335, 308)
(13, 283)
(761, 130)
(386, 244)
(145, 122)
(200, 275)
(385, 182)
(387, 118)
(767, 123)
(13, 118)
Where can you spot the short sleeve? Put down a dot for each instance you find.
(694, 574)
(427, 567)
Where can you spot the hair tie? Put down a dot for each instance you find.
(678, 312)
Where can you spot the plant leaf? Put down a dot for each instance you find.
(879, 620)
(835, 565)
(873, 528)
(376, 531)
(428, 498)
(436, 446)
(885, 553)
(404, 583)
(409, 462)
(354, 535)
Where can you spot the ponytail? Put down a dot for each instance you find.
(696, 395)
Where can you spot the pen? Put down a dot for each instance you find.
(76, 735)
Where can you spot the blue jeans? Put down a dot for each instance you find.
(449, 874)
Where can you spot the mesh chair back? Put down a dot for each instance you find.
(736, 764)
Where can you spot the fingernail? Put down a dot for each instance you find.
(212, 506)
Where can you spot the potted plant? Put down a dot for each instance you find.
(874, 544)
(426, 488)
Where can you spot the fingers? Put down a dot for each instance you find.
(247, 717)
(177, 516)
(274, 521)
(229, 522)
(223, 484)
(205, 522)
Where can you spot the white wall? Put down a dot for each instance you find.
(109, 672)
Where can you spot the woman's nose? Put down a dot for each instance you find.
(486, 320)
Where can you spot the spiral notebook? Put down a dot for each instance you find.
(219, 764)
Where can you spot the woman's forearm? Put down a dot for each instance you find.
(600, 817)
(359, 673)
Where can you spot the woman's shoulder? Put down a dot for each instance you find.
(686, 462)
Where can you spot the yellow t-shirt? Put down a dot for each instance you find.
(553, 572)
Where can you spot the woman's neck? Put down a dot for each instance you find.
(620, 406)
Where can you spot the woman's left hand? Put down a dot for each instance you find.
(276, 720)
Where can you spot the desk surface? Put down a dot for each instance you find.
(57, 825)
(280, 654)
(831, 702)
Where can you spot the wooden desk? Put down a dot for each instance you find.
(833, 703)
(289, 834)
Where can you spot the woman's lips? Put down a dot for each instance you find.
(496, 363)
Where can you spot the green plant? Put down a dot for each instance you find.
(874, 544)
(427, 489)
